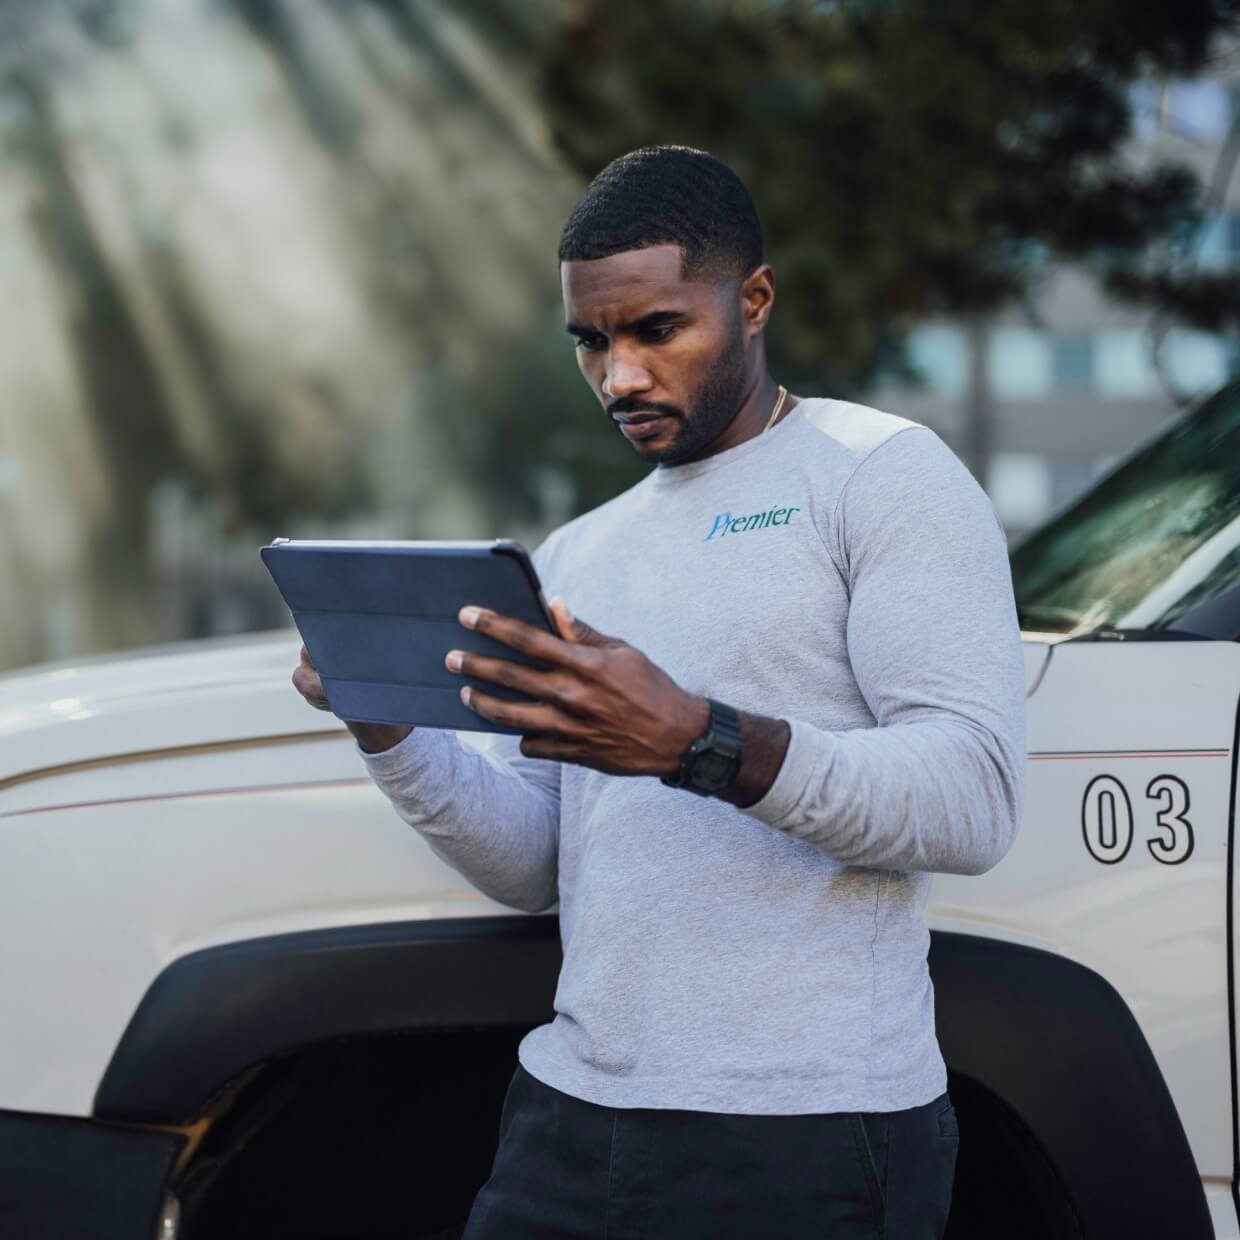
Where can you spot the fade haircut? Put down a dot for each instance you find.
(661, 195)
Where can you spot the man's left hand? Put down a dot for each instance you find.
(599, 702)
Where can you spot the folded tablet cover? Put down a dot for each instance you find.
(378, 619)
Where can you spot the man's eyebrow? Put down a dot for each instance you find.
(656, 318)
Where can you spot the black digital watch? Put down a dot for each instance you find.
(713, 761)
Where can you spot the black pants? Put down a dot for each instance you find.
(566, 1168)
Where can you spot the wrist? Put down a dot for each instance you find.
(377, 737)
(691, 720)
(764, 743)
(711, 763)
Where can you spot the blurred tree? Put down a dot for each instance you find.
(127, 389)
(909, 158)
(283, 267)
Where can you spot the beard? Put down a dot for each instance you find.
(714, 406)
(717, 402)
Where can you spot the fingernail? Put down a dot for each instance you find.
(454, 660)
(469, 616)
(465, 694)
(568, 611)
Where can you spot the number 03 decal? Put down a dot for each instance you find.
(1107, 824)
(1178, 844)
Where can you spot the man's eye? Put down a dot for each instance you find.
(655, 335)
(589, 343)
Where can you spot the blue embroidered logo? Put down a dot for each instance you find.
(725, 523)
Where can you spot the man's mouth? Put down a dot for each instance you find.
(639, 425)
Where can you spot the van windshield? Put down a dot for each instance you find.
(1158, 536)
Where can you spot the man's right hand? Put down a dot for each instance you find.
(372, 737)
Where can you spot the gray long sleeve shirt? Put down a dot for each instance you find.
(844, 572)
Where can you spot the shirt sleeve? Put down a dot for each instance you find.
(937, 782)
(483, 807)
(492, 814)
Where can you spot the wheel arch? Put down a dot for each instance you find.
(1050, 1038)
(1057, 1043)
(216, 1013)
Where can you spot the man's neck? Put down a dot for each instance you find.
(756, 413)
(752, 419)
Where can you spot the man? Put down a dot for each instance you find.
(807, 621)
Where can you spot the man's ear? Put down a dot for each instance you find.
(757, 297)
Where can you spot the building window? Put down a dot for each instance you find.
(1020, 364)
(940, 357)
(1123, 368)
(1020, 487)
(1069, 477)
(1196, 362)
(1072, 363)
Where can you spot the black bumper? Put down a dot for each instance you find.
(69, 1179)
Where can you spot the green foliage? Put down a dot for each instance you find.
(908, 157)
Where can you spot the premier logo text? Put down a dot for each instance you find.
(725, 523)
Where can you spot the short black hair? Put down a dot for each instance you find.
(661, 195)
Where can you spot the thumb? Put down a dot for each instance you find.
(571, 629)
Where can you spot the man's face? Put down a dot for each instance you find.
(668, 353)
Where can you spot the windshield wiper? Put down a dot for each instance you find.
(1109, 633)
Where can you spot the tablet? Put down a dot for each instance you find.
(379, 617)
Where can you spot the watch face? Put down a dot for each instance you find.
(713, 769)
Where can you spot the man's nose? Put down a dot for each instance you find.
(624, 377)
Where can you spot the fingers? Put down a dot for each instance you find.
(540, 645)
(563, 619)
(306, 681)
(544, 686)
(574, 630)
(520, 716)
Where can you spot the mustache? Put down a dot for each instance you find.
(632, 404)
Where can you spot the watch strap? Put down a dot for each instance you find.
(724, 729)
(722, 736)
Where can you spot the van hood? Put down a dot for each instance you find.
(153, 699)
(187, 693)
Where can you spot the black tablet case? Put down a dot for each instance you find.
(378, 619)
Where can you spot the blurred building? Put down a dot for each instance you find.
(1040, 401)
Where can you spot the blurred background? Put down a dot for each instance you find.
(287, 267)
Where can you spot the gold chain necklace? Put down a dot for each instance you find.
(779, 404)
